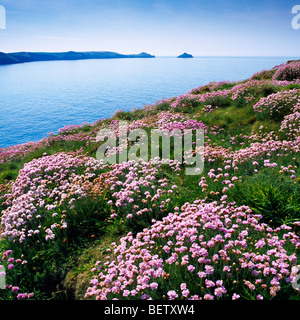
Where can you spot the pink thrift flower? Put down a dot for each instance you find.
(153, 285)
(191, 268)
(183, 286)
(219, 291)
(209, 269)
(172, 295)
(260, 243)
(209, 283)
(185, 293)
(126, 293)
(201, 274)
(219, 283)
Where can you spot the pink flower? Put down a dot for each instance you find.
(153, 285)
(260, 243)
(209, 269)
(235, 296)
(133, 292)
(22, 296)
(226, 269)
(219, 283)
(185, 293)
(183, 286)
(225, 189)
(250, 285)
(209, 283)
(191, 268)
(172, 295)
(201, 274)
(126, 293)
(220, 291)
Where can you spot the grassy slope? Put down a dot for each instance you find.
(64, 270)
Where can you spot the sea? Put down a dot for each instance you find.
(41, 97)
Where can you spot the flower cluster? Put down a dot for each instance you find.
(291, 125)
(210, 98)
(71, 127)
(263, 74)
(20, 151)
(170, 121)
(206, 251)
(44, 183)
(136, 186)
(7, 271)
(212, 86)
(289, 71)
(278, 104)
(217, 97)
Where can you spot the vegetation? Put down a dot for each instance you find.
(75, 228)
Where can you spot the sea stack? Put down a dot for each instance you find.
(185, 55)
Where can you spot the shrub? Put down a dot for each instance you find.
(208, 251)
(276, 201)
(289, 72)
(263, 75)
(278, 105)
(291, 125)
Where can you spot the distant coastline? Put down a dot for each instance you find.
(22, 57)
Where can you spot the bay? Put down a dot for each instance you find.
(41, 97)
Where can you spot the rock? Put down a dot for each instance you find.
(185, 55)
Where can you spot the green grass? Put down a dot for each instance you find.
(275, 198)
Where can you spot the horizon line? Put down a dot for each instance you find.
(166, 56)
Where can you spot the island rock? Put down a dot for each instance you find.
(185, 55)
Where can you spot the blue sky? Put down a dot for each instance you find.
(160, 27)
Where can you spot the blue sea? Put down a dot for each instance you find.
(41, 97)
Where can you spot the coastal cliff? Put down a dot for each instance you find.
(22, 57)
(74, 227)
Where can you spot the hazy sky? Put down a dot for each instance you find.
(159, 27)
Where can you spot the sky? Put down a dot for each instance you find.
(159, 27)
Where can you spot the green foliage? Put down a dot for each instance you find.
(275, 198)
